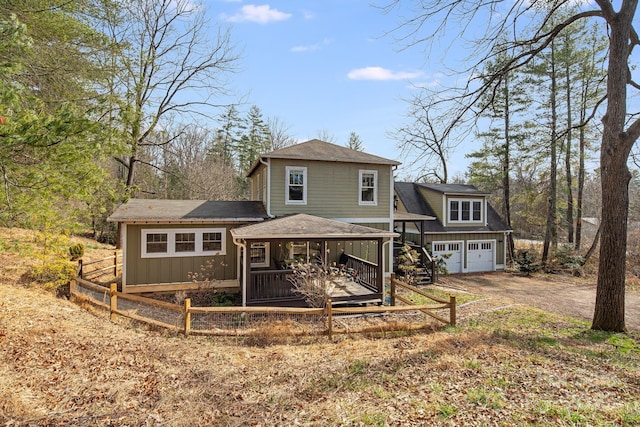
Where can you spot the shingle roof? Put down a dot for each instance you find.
(409, 195)
(304, 226)
(453, 189)
(190, 211)
(324, 151)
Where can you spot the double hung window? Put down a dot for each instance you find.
(296, 185)
(368, 187)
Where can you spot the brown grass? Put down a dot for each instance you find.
(63, 365)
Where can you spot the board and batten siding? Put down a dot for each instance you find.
(144, 271)
(465, 237)
(332, 189)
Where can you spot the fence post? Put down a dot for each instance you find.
(79, 273)
(113, 301)
(187, 316)
(72, 290)
(115, 263)
(393, 289)
(452, 310)
(329, 319)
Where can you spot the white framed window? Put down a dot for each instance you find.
(368, 187)
(182, 242)
(465, 210)
(296, 185)
(259, 254)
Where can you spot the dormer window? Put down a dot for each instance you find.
(296, 185)
(368, 187)
(465, 210)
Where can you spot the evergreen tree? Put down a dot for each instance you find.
(355, 143)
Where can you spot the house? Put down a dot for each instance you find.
(467, 232)
(310, 202)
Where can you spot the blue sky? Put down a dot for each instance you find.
(327, 66)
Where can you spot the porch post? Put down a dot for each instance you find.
(422, 241)
(380, 275)
(246, 272)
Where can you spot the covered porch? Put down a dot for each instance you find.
(269, 252)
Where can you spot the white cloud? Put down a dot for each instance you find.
(311, 47)
(379, 73)
(262, 14)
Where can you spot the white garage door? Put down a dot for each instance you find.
(454, 249)
(480, 256)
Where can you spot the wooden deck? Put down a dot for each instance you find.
(272, 287)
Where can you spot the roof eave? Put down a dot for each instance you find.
(182, 220)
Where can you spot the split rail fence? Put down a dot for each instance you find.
(93, 270)
(239, 321)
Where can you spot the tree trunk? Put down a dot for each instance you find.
(506, 169)
(583, 144)
(614, 154)
(551, 234)
(567, 156)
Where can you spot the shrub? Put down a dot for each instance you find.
(314, 283)
(76, 251)
(53, 275)
(565, 258)
(526, 261)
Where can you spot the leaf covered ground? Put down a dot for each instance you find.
(61, 364)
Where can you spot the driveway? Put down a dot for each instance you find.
(555, 294)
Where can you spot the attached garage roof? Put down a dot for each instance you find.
(188, 211)
(304, 227)
(410, 196)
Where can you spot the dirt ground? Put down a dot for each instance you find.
(555, 294)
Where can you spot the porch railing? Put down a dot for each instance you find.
(270, 284)
(365, 272)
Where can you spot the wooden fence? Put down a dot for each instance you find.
(237, 321)
(92, 270)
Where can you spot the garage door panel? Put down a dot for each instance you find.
(454, 250)
(480, 256)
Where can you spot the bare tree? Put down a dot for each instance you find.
(169, 66)
(280, 134)
(424, 140)
(430, 19)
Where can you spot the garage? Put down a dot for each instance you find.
(481, 256)
(454, 249)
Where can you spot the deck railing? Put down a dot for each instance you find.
(269, 285)
(366, 272)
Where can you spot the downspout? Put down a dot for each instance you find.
(243, 285)
(390, 258)
(268, 165)
(392, 222)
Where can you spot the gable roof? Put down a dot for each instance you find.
(410, 196)
(315, 149)
(304, 226)
(188, 211)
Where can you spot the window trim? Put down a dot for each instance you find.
(171, 242)
(305, 184)
(375, 187)
(267, 254)
(459, 211)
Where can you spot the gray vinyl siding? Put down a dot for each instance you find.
(142, 271)
(464, 237)
(332, 189)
